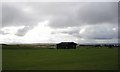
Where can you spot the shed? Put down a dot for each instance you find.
(66, 45)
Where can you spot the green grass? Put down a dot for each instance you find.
(60, 59)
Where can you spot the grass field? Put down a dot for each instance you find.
(60, 59)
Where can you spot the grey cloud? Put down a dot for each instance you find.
(13, 16)
(0, 15)
(61, 14)
(101, 12)
(23, 31)
(73, 32)
(18, 32)
(87, 13)
(3, 33)
(61, 21)
(103, 31)
(119, 31)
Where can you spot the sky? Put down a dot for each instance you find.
(53, 22)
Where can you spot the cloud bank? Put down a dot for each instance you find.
(81, 22)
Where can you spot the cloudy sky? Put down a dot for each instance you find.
(53, 22)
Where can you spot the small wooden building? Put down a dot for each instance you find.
(66, 45)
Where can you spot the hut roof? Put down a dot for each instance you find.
(67, 43)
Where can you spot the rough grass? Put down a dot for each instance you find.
(60, 59)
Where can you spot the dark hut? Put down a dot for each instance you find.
(66, 45)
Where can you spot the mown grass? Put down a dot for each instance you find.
(60, 59)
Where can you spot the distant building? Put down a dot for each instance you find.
(66, 45)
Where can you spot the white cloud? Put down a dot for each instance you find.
(10, 30)
(40, 33)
